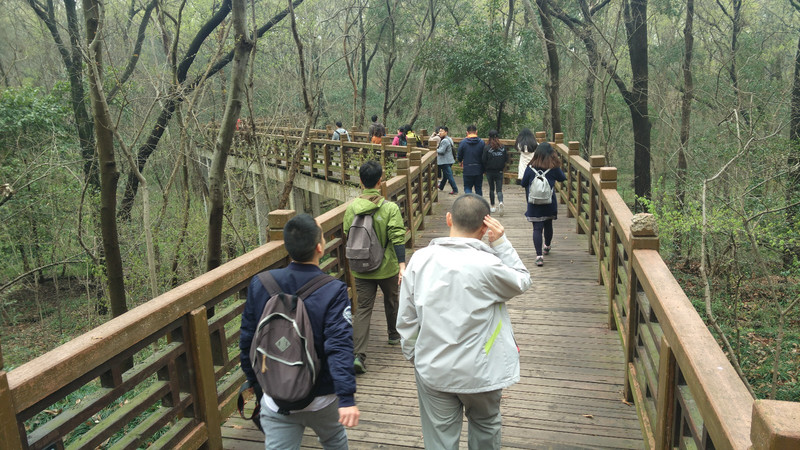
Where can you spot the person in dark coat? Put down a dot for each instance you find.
(470, 155)
(542, 216)
(328, 308)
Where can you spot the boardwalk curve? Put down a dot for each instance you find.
(572, 366)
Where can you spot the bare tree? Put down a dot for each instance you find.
(109, 174)
(244, 45)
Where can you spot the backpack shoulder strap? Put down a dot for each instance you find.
(269, 282)
(314, 284)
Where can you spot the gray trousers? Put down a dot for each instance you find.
(286, 432)
(441, 416)
(367, 290)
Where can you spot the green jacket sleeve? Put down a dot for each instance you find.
(396, 228)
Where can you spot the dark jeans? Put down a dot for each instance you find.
(447, 176)
(473, 181)
(495, 180)
(540, 228)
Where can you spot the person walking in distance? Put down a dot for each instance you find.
(445, 160)
(376, 130)
(495, 160)
(339, 132)
(460, 340)
(331, 405)
(470, 155)
(526, 145)
(391, 232)
(545, 163)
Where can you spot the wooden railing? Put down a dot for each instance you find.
(686, 392)
(165, 374)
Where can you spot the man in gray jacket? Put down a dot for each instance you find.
(455, 328)
(445, 160)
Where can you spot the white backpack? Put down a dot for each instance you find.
(540, 192)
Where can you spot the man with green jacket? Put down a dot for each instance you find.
(389, 228)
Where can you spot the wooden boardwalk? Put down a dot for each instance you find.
(572, 368)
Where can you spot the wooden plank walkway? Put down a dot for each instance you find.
(572, 368)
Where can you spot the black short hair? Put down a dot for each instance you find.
(374, 117)
(370, 173)
(339, 124)
(471, 128)
(446, 130)
(301, 234)
(469, 211)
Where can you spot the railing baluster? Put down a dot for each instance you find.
(665, 400)
(9, 432)
(206, 410)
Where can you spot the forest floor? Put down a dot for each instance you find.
(38, 319)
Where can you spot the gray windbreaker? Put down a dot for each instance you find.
(453, 320)
(444, 152)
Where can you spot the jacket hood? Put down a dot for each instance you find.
(369, 201)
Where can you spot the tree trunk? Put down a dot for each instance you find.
(294, 166)
(233, 107)
(686, 106)
(792, 251)
(109, 175)
(72, 59)
(553, 67)
(636, 27)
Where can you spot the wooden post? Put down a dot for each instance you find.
(541, 136)
(596, 163)
(9, 426)
(665, 399)
(326, 152)
(775, 425)
(573, 185)
(558, 138)
(611, 287)
(416, 161)
(206, 409)
(643, 236)
(343, 176)
(277, 220)
(404, 169)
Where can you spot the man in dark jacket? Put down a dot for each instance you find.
(333, 406)
(470, 155)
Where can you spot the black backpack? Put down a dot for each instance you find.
(496, 158)
(282, 352)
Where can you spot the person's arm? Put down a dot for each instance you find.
(508, 277)
(338, 345)
(250, 317)
(527, 176)
(559, 174)
(348, 136)
(461, 152)
(407, 320)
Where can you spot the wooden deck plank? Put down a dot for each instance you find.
(572, 366)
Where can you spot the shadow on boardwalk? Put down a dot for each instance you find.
(572, 370)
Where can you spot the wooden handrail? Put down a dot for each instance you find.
(686, 392)
(172, 363)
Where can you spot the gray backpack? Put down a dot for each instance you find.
(540, 192)
(282, 352)
(364, 251)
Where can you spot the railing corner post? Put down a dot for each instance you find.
(558, 138)
(9, 426)
(774, 425)
(276, 221)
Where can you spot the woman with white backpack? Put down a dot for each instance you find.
(542, 172)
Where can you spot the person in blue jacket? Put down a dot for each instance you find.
(542, 216)
(470, 155)
(328, 308)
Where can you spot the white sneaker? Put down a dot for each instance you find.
(539, 261)
(500, 209)
(492, 209)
